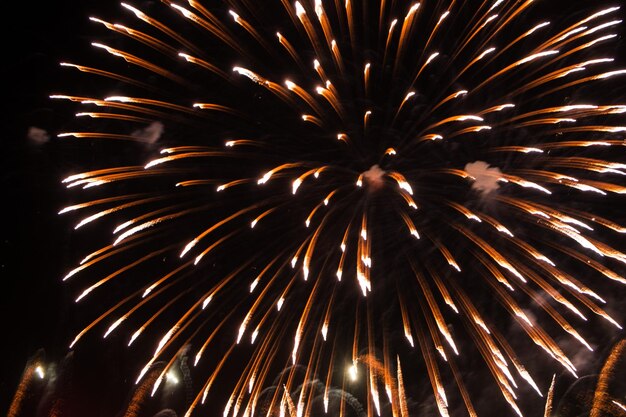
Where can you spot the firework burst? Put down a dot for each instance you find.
(355, 183)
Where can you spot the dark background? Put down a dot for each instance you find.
(36, 311)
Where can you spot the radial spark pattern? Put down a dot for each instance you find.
(383, 184)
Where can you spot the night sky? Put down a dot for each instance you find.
(37, 312)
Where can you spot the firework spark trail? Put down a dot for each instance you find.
(601, 396)
(548, 409)
(141, 394)
(370, 156)
(33, 370)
